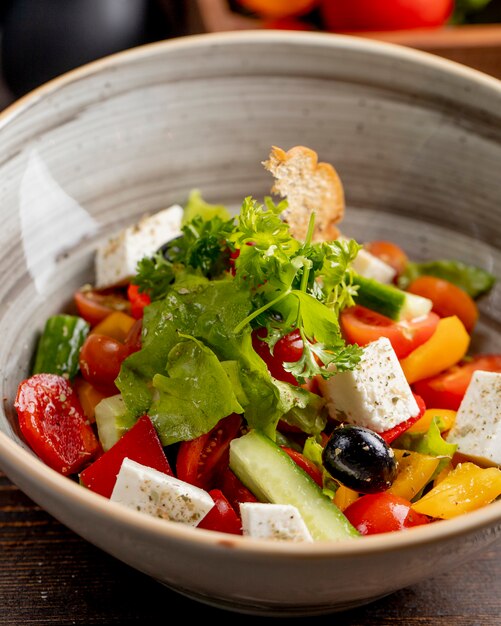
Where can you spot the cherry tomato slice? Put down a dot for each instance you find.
(53, 423)
(222, 517)
(287, 349)
(362, 326)
(305, 464)
(100, 361)
(381, 513)
(94, 305)
(140, 444)
(446, 390)
(390, 253)
(137, 301)
(198, 461)
(447, 298)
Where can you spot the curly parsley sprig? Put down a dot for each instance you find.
(297, 285)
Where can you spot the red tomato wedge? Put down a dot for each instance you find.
(140, 444)
(287, 349)
(94, 305)
(381, 513)
(53, 423)
(362, 326)
(393, 433)
(305, 464)
(222, 517)
(447, 389)
(199, 460)
(447, 298)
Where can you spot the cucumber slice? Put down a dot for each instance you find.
(59, 346)
(274, 477)
(389, 300)
(111, 420)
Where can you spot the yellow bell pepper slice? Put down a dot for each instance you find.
(447, 418)
(443, 474)
(415, 471)
(344, 497)
(445, 348)
(466, 488)
(116, 325)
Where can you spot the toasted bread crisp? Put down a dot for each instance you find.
(308, 186)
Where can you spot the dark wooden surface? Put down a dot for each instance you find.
(49, 576)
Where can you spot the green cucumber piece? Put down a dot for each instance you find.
(59, 346)
(389, 300)
(272, 476)
(111, 420)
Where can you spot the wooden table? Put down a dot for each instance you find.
(49, 576)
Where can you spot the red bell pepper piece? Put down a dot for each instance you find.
(393, 433)
(140, 444)
(53, 423)
(138, 301)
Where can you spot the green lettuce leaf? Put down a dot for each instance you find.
(474, 280)
(208, 311)
(431, 443)
(301, 408)
(194, 396)
(196, 206)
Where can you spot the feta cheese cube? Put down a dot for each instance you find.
(145, 489)
(273, 521)
(375, 395)
(370, 266)
(477, 428)
(117, 259)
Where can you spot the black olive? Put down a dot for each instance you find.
(170, 250)
(360, 459)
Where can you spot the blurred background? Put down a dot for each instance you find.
(41, 39)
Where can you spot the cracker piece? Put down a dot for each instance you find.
(308, 186)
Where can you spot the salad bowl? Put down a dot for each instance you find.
(417, 143)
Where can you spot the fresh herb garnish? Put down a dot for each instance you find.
(296, 285)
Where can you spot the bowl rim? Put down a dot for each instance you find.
(333, 40)
(30, 466)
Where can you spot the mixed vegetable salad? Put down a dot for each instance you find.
(226, 373)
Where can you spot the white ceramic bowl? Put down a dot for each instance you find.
(417, 141)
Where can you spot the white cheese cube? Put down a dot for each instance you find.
(375, 395)
(147, 490)
(116, 260)
(370, 266)
(273, 521)
(477, 428)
